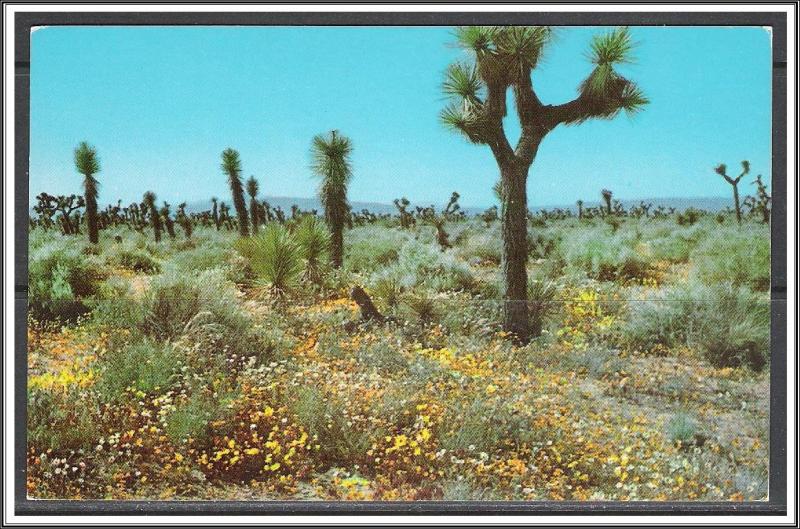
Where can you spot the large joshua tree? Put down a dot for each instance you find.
(88, 164)
(722, 170)
(330, 160)
(252, 190)
(232, 167)
(503, 58)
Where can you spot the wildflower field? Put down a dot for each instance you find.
(210, 366)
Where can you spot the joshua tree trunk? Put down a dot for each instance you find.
(735, 185)
(337, 243)
(91, 218)
(515, 250)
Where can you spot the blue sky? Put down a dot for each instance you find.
(161, 103)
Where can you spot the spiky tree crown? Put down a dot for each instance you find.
(252, 187)
(86, 159)
(505, 56)
(149, 199)
(330, 160)
(231, 164)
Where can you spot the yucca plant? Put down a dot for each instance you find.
(314, 241)
(330, 155)
(275, 257)
(252, 190)
(541, 292)
(88, 164)
(232, 167)
(503, 57)
(155, 218)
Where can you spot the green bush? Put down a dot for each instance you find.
(740, 258)
(325, 419)
(604, 257)
(682, 428)
(137, 261)
(370, 248)
(727, 325)
(59, 281)
(145, 366)
(735, 329)
(115, 306)
(485, 246)
(275, 257)
(204, 309)
(61, 420)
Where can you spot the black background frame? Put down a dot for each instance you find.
(776, 505)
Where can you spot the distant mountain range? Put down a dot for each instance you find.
(306, 204)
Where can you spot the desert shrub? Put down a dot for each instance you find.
(739, 258)
(484, 425)
(666, 321)
(203, 309)
(145, 367)
(382, 356)
(275, 257)
(61, 420)
(485, 246)
(681, 428)
(439, 271)
(422, 306)
(541, 245)
(735, 329)
(728, 325)
(388, 288)
(171, 302)
(370, 248)
(604, 258)
(202, 257)
(688, 217)
(191, 416)
(115, 307)
(137, 261)
(59, 281)
(324, 418)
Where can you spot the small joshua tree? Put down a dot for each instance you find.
(721, 170)
(170, 225)
(580, 209)
(406, 218)
(155, 219)
(452, 207)
(215, 212)
(232, 167)
(763, 200)
(184, 220)
(607, 194)
(331, 162)
(88, 164)
(252, 190)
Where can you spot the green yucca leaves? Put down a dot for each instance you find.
(274, 256)
(614, 47)
(314, 241)
(462, 80)
(86, 159)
